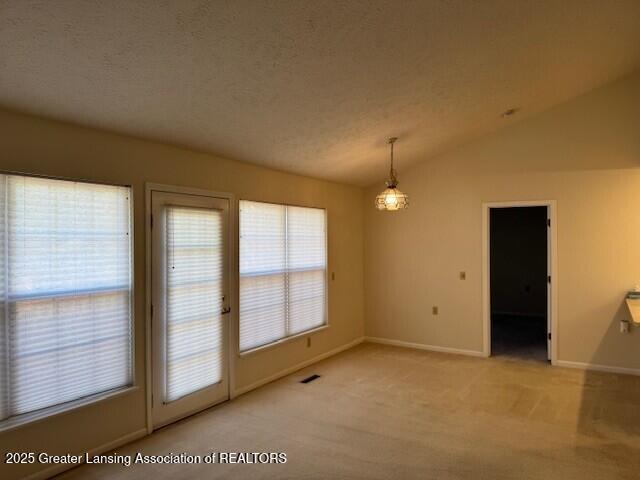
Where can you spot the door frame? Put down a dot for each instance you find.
(233, 300)
(552, 270)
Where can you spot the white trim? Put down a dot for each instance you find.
(106, 447)
(422, 346)
(598, 368)
(233, 283)
(282, 341)
(61, 409)
(552, 270)
(295, 368)
(161, 187)
(189, 412)
(147, 305)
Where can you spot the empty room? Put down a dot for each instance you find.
(320, 239)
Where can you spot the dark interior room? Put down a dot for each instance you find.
(519, 282)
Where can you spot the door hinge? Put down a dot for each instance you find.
(548, 222)
(549, 335)
(549, 278)
(152, 311)
(152, 399)
(151, 220)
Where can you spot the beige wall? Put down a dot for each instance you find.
(32, 145)
(584, 154)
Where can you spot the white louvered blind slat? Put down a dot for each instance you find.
(65, 288)
(282, 272)
(194, 289)
(306, 252)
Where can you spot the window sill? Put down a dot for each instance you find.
(277, 343)
(30, 418)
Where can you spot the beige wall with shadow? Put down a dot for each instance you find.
(585, 154)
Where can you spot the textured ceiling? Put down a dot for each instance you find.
(312, 87)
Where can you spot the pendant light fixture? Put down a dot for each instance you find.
(391, 198)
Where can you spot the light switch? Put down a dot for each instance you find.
(463, 275)
(434, 310)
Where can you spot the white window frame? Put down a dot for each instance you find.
(296, 336)
(71, 406)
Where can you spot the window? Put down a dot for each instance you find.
(65, 292)
(194, 291)
(283, 264)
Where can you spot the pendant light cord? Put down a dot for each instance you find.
(392, 173)
(392, 160)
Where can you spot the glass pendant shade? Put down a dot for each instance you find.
(392, 199)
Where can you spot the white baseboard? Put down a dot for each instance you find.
(422, 346)
(474, 353)
(59, 468)
(295, 368)
(598, 368)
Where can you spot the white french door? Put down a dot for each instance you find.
(190, 304)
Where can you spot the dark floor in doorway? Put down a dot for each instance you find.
(523, 338)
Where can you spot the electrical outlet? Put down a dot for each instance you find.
(308, 342)
(434, 310)
(463, 275)
(624, 326)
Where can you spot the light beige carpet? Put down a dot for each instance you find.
(383, 412)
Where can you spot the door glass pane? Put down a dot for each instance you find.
(194, 290)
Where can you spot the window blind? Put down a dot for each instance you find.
(283, 262)
(65, 288)
(194, 289)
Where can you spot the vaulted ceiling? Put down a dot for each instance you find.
(312, 87)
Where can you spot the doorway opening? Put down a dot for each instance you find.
(519, 278)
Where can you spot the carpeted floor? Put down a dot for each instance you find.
(381, 412)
